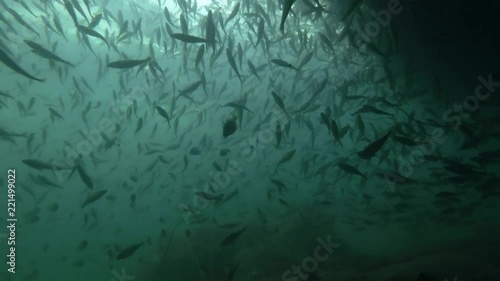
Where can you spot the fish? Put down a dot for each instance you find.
(237, 106)
(59, 27)
(283, 202)
(232, 63)
(253, 70)
(55, 113)
(224, 152)
(307, 58)
(285, 158)
(164, 114)
(231, 238)
(405, 141)
(124, 64)
(84, 177)
(199, 56)
(140, 123)
(10, 63)
(91, 32)
(350, 169)
(335, 131)
(240, 54)
(229, 127)
(40, 165)
(71, 11)
(87, 4)
(94, 197)
(5, 133)
(129, 251)
(95, 20)
(186, 162)
(83, 245)
(283, 63)
(195, 151)
(260, 32)
(6, 95)
(368, 108)
(190, 38)
(44, 53)
(189, 89)
(280, 185)
(22, 21)
(233, 13)
(373, 147)
(76, 4)
(123, 29)
(46, 181)
(230, 275)
(224, 225)
(211, 31)
(278, 132)
(279, 102)
(287, 6)
(167, 16)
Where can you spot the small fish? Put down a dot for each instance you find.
(224, 152)
(233, 13)
(95, 20)
(20, 20)
(335, 131)
(280, 103)
(253, 70)
(124, 64)
(163, 113)
(10, 63)
(55, 113)
(237, 106)
(127, 252)
(280, 185)
(39, 165)
(372, 148)
(224, 225)
(283, 202)
(287, 157)
(140, 123)
(91, 32)
(350, 169)
(232, 62)
(85, 178)
(231, 238)
(229, 127)
(287, 6)
(93, 197)
(44, 53)
(230, 275)
(83, 245)
(405, 141)
(368, 108)
(278, 132)
(195, 151)
(283, 63)
(186, 162)
(189, 38)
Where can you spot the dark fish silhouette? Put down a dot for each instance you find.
(231, 238)
(124, 64)
(10, 63)
(127, 252)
